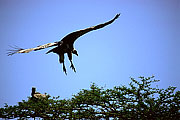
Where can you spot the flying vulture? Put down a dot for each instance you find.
(37, 95)
(65, 45)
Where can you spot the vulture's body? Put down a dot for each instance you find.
(37, 95)
(66, 45)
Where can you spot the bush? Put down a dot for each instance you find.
(138, 101)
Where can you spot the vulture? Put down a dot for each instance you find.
(37, 95)
(66, 45)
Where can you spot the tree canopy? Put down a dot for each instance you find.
(139, 100)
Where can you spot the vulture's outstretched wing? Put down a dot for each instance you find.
(20, 50)
(70, 38)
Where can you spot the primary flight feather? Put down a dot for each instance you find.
(65, 45)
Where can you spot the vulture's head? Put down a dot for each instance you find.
(75, 52)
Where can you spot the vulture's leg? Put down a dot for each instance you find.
(70, 59)
(72, 66)
(64, 69)
(61, 60)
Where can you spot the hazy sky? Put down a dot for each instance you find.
(144, 41)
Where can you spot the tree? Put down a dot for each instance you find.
(138, 101)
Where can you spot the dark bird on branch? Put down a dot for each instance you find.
(65, 45)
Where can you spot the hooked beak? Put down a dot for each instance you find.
(76, 54)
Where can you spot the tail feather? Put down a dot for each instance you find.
(14, 50)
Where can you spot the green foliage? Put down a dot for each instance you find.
(138, 101)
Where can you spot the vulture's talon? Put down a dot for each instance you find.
(72, 66)
(64, 69)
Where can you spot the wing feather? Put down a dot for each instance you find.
(74, 35)
(20, 50)
(69, 38)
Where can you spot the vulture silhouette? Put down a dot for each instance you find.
(66, 45)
